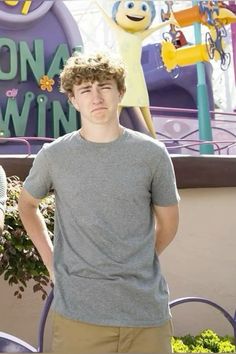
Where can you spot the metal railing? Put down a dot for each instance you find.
(24, 141)
(178, 133)
(226, 314)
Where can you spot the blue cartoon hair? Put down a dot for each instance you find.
(149, 2)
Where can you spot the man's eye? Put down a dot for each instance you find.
(85, 91)
(106, 87)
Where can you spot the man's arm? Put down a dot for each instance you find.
(35, 226)
(167, 221)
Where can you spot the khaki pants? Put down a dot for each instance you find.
(70, 336)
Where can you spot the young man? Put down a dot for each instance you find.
(3, 197)
(116, 211)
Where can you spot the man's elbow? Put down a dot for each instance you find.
(175, 217)
(174, 228)
(21, 203)
(172, 225)
(26, 203)
(176, 222)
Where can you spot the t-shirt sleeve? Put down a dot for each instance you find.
(39, 182)
(3, 189)
(164, 190)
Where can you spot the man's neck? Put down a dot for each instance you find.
(101, 135)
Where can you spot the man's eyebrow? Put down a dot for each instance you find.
(108, 82)
(84, 87)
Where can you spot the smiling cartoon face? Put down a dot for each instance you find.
(134, 16)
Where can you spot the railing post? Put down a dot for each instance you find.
(204, 119)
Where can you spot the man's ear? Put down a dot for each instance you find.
(122, 95)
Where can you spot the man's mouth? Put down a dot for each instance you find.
(135, 18)
(98, 109)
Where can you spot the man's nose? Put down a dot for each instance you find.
(97, 96)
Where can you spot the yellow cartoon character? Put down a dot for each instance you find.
(131, 22)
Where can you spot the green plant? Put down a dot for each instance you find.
(19, 260)
(179, 346)
(206, 342)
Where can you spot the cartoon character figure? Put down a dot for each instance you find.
(131, 22)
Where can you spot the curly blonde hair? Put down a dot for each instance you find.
(99, 67)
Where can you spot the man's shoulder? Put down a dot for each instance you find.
(60, 143)
(145, 141)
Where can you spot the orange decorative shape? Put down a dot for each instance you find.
(188, 16)
(46, 83)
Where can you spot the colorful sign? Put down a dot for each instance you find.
(36, 39)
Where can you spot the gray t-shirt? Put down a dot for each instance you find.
(105, 264)
(3, 189)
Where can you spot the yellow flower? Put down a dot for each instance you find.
(46, 83)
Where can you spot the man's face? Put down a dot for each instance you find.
(96, 101)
